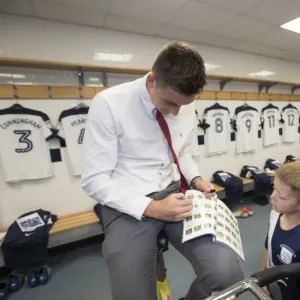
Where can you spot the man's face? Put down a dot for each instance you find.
(166, 100)
(283, 198)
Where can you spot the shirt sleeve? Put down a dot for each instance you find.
(100, 159)
(188, 167)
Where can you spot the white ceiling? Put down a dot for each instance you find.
(245, 25)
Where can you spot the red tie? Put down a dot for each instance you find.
(165, 129)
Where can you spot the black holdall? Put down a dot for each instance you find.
(273, 164)
(233, 187)
(262, 183)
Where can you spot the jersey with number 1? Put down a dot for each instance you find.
(217, 135)
(72, 127)
(270, 116)
(246, 126)
(24, 152)
(290, 117)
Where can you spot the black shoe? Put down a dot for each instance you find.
(3, 289)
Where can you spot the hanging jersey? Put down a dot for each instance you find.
(24, 153)
(290, 117)
(246, 122)
(270, 117)
(217, 132)
(71, 125)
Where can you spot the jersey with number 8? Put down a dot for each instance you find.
(217, 135)
(24, 153)
(71, 125)
(246, 123)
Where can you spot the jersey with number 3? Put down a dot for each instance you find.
(72, 127)
(246, 126)
(270, 117)
(24, 152)
(217, 135)
(290, 117)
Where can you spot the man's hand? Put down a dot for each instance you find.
(266, 290)
(174, 208)
(204, 186)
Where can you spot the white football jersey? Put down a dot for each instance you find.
(217, 135)
(290, 117)
(246, 122)
(270, 117)
(71, 125)
(24, 152)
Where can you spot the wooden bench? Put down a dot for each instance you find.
(74, 221)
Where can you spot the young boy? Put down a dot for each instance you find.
(283, 240)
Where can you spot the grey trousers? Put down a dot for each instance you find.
(129, 249)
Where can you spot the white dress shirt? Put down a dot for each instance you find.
(126, 155)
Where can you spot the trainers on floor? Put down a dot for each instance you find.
(250, 211)
(32, 278)
(16, 281)
(241, 213)
(3, 289)
(44, 274)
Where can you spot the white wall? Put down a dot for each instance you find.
(48, 40)
(39, 39)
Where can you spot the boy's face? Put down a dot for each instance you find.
(284, 199)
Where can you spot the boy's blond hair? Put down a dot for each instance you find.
(289, 174)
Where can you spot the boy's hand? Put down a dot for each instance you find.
(266, 290)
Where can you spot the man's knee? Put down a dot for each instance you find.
(225, 279)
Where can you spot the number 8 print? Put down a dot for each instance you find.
(219, 125)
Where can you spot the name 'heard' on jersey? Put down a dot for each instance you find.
(24, 152)
(216, 124)
(246, 122)
(71, 125)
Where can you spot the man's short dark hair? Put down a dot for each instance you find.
(180, 67)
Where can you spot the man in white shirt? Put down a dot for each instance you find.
(134, 133)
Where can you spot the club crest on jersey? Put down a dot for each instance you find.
(286, 254)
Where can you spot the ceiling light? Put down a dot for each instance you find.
(113, 56)
(262, 73)
(293, 25)
(26, 83)
(210, 67)
(94, 79)
(18, 76)
(7, 75)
